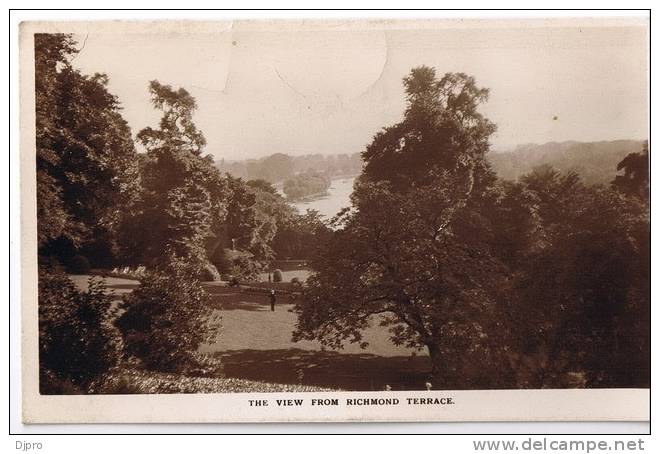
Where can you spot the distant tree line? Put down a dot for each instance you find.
(279, 167)
(595, 162)
(305, 185)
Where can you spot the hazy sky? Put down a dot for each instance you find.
(264, 88)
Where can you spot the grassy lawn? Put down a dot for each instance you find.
(255, 344)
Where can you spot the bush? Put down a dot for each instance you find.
(79, 265)
(209, 273)
(76, 340)
(52, 384)
(233, 281)
(296, 282)
(120, 385)
(277, 276)
(236, 264)
(244, 266)
(167, 318)
(222, 260)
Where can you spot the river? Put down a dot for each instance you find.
(338, 197)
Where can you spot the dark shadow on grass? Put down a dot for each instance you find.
(329, 369)
(227, 305)
(232, 298)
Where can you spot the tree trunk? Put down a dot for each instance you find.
(437, 365)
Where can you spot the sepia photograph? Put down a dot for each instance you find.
(363, 219)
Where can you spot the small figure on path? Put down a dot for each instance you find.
(272, 300)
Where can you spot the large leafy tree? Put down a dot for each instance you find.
(581, 306)
(248, 228)
(417, 249)
(299, 236)
(184, 196)
(86, 161)
(183, 202)
(442, 129)
(635, 178)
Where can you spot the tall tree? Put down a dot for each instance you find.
(177, 131)
(167, 318)
(635, 179)
(184, 196)
(416, 249)
(86, 161)
(442, 129)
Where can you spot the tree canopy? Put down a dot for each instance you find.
(415, 247)
(86, 160)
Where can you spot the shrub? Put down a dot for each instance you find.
(236, 263)
(222, 260)
(79, 265)
(277, 276)
(52, 384)
(120, 385)
(209, 273)
(234, 282)
(167, 318)
(296, 282)
(244, 266)
(76, 340)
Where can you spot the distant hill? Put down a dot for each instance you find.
(595, 162)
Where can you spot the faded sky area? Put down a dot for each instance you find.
(314, 87)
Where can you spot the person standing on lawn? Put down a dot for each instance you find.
(272, 300)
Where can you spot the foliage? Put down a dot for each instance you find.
(273, 168)
(79, 265)
(279, 167)
(151, 382)
(299, 236)
(635, 180)
(176, 128)
(236, 264)
(582, 301)
(262, 186)
(86, 161)
(442, 129)
(209, 273)
(256, 215)
(183, 202)
(248, 227)
(277, 276)
(76, 341)
(306, 185)
(543, 282)
(167, 318)
(415, 249)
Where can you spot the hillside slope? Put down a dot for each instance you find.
(595, 161)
